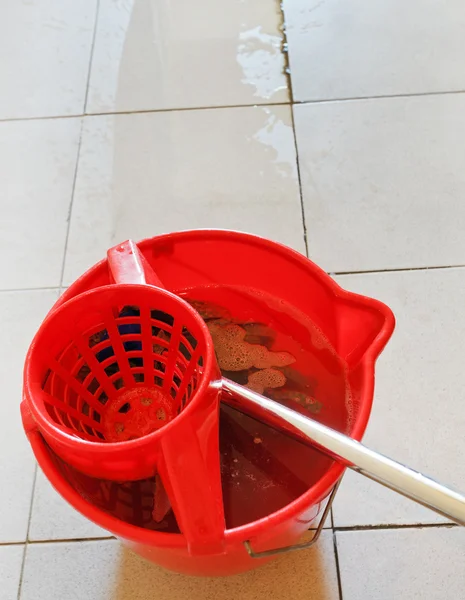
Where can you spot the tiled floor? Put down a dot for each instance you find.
(126, 118)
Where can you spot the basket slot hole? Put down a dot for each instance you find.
(118, 383)
(93, 386)
(163, 317)
(187, 395)
(90, 412)
(112, 369)
(173, 392)
(130, 310)
(184, 351)
(97, 338)
(176, 380)
(83, 373)
(89, 430)
(125, 408)
(105, 353)
(139, 377)
(158, 381)
(136, 362)
(191, 339)
(46, 380)
(132, 346)
(131, 328)
(158, 365)
(161, 340)
(103, 398)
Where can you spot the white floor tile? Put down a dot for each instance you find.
(11, 559)
(383, 182)
(356, 49)
(53, 519)
(141, 175)
(159, 54)
(37, 166)
(402, 563)
(418, 415)
(44, 56)
(22, 313)
(106, 571)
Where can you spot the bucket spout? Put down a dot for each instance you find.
(364, 326)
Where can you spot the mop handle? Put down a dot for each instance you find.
(351, 453)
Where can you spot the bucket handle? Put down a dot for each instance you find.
(285, 549)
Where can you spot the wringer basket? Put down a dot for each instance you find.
(93, 388)
(123, 384)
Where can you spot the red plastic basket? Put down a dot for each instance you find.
(123, 383)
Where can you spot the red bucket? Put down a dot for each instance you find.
(225, 266)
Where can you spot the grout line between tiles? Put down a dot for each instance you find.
(335, 530)
(338, 571)
(288, 75)
(21, 573)
(395, 270)
(58, 541)
(23, 562)
(68, 219)
(72, 540)
(284, 48)
(91, 57)
(379, 97)
(383, 527)
(32, 289)
(11, 544)
(290, 102)
(299, 179)
(147, 111)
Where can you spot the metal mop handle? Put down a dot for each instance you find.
(353, 454)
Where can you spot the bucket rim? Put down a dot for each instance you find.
(315, 494)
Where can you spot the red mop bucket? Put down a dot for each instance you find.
(197, 261)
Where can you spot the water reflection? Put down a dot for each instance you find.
(161, 54)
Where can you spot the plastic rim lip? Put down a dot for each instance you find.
(323, 486)
(58, 434)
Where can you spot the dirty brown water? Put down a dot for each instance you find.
(267, 345)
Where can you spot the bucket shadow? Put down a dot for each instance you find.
(308, 574)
